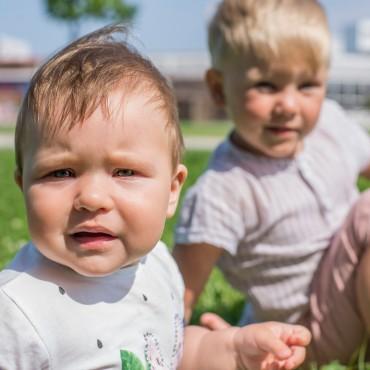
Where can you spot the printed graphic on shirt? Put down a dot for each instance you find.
(178, 341)
(131, 362)
(154, 359)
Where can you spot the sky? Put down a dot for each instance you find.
(160, 25)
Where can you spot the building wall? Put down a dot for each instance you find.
(11, 95)
(194, 101)
(14, 80)
(349, 84)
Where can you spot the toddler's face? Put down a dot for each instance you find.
(273, 110)
(98, 196)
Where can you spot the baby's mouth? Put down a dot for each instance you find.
(88, 237)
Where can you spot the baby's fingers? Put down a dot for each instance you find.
(296, 359)
(275, 346)
(299, 337)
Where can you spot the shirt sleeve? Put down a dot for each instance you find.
(213, 212)
(21, 347)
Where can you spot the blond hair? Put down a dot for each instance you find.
(71, 85)
(265, 31)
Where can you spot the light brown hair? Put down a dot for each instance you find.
(73, 83)
(264, 31)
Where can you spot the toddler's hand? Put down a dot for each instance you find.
(271, 346)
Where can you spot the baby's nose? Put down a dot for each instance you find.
(93, 195)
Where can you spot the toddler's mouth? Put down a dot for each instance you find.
(277, 130)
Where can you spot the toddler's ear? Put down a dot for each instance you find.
(178, 180)
(215, 85)
(18, 179)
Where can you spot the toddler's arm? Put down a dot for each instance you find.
(265, 346)
(195, 262)
(366, 172)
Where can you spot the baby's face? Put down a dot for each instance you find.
(98, 196)
(273, 110)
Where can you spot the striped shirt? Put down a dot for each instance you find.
(275, 217)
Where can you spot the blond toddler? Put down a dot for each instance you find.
(278, 208)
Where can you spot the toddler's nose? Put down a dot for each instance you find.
(287, 104)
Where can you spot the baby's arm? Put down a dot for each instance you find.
(195, 262)
(265, 346)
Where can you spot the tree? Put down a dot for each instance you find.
(74, 11)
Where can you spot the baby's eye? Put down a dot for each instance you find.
(124, 172)
(62, 173)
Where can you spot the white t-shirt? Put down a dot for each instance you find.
(54, 318)
(275, 217)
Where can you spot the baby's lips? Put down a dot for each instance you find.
(86, 235)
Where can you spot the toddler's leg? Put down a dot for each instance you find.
(340, 293)
(363, 282)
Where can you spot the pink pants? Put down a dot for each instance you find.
(334, 317)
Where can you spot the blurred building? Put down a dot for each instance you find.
(349, 80)
(17, 65)
(186, 73)
(358, 36)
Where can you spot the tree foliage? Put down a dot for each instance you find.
(75, 11)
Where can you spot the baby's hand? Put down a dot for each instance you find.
(271, 346)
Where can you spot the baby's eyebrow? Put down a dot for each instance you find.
(50, 158)
(128, 159)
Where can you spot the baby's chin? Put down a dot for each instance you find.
(88, 266)
(98, 267)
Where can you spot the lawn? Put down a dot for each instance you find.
(218, 296)
(189, 128)
(6, 128)
(209, 128)
(13, 230)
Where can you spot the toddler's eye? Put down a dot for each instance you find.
(265, 86)
(308, 85)
(62, 173)
(124, 172)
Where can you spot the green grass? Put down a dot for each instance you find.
(13, 229)
(7, 129)
(218, 296)
(209, 128)
(189, 128)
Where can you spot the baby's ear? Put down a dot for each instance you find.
(177, 182)
(18, 178)
(215, 85)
